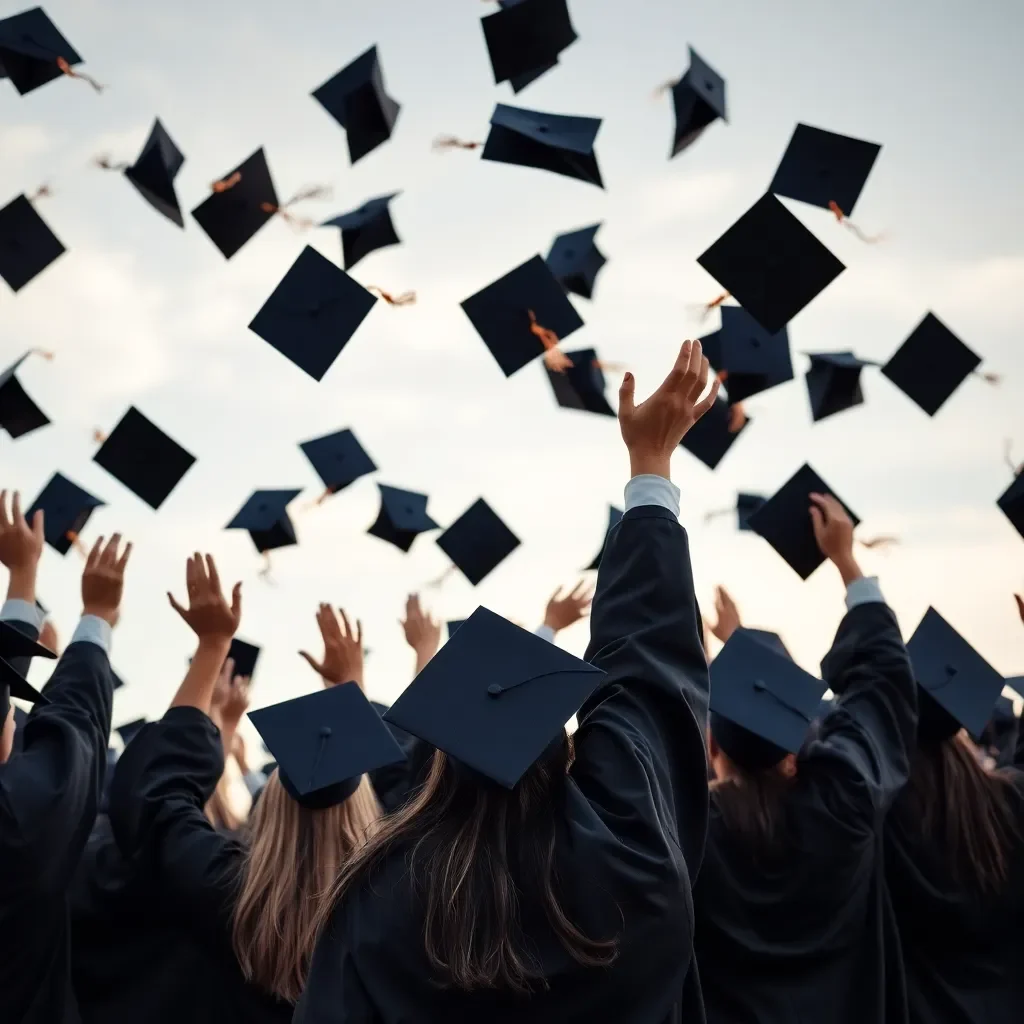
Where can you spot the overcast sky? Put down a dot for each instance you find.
(139, 312)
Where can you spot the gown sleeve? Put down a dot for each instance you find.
(161, 785)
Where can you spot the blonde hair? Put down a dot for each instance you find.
(293, 857)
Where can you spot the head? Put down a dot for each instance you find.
(476, 850)
(293, 858)
(7, 735)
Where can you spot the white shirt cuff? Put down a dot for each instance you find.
(864, 591)
(651, 489)
(94, 630)
(546, 633)
(16, 610)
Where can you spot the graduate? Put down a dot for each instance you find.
(792, 922)
(51, 788)
(538, 877)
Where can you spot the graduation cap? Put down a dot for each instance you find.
(312, 313)
(402, 517)
(525, 37)
(494, 697)
(153, 173)
(581, 386)
(931, 364)
(833, 382)
(118, 681)
(762, 703)
(33, 52)
(453, 625)
(1003, 711)
(67, 508)
(715, 432)
(15, 651)
(752, 358)
(265, 516)
(355, 97)
(784, 520)
(19, 415)
(339, 459)
(143, 458)
(575, 260)
(1012, 503)
(614, 515)
(245, 656)
(699, 100)
(27, 245)
(130, 730)
(522, 315)
(771, 264)
(960, 687)
(478, 541)
(770, 639)
(325, 742)
(746, 505)
(366, 229)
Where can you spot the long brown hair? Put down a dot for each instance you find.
(475, 850)
(293, 857)
(752, 805)
(965, 810)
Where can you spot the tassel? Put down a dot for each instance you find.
(264, 572)
(316, 502)
(48, 356)
(879, 542)
(76, 543)
(43, 192)
(443, 142)
(301, 223)
(105, 163)
(995, 379)
(404, 299)
(713, 304)
(841, 217)
(554, 358)
(436, 583)
(67, 69)
(1008, 459)
(737, 418)
(226, 183)
(666, 86)
(718, 513)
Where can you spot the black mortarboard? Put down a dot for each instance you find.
(746, 506)
(754, 359)
(19, 415)
(582, 385)
(762, 703)
(1012, 503)
(833, 382)
(15, 646)
(130, 730)
(785, 520)
(338, 459)
(478, 541)
(549, 142)
(494, 697)
(324, 743)
(771, 264)
(711, 346)
(525, 37)
(148, 462)
(501, 314)
(30, 47)
(822, 168)
(713, 434)
(575, 260)
(355, 97)
(240, 204)
(453, 625)
(154, 172)
(772, 640)
(402, 518)
(27, 245)
(245, 656)
(118, 681)
(931, 364)
(67, 508)
(1003, 710)
(365, 229)
(614, 515)
(311, 315)
(265, 516)
(699, 99)
(960, 687)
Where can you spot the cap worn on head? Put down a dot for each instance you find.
(31, 47)
(833, 382)
(366, 229)
(771, 264)
(27, 245)
(785, 521)
(575, 260)
(239, 205)
(478, 541)
(581, 386)
(356, 98)
(312, 313)
(714, 433)
(699, 100)
(494, 697)
(67, 509)
(753, 359)
(770, 639)
(1012, 503)
(339, 459)
(931, 364)
(19, 415)
(143, 458)
(525, 37)
(130, 730)
(244, 655)
(402, 517)
(265, 516)
(154, 172)
(614, 515)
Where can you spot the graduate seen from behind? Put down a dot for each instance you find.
(249, 900)
(538, 877)
(792, 922)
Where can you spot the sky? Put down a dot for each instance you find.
(141, 313)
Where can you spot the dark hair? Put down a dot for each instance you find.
(476, 850)
(752, 805)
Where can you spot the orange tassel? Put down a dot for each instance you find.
(665, 87)
(722, 376)
(282, 211)
(989, 378)
(48, 356)
(451, 142)
(43, 192)
(226, 183)
(68, 70)
(76, 543)
(841, 217)
(714, 304)
(404, 299)
(737, 418)
(554, 358)
(105, 163)
(880, 542)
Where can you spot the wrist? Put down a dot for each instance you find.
(22, 584)
(108, 615)
(848, 568)
(213, 645)
(647, 463)
(551, 624)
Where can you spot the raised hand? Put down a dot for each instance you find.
(21, 547)
(1020, 606)
(422, 632)
(833, 530)
(208, 614)
(728, 615)
(103, 579)
(565, 609)
(343, 648)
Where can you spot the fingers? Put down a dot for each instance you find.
(236, 601)
(16, 518)
(330, 629)
(199, 577)
(211, 571)
(359, 633)
(39, 525)
(190, 577)
(703, 368)
(347, 627)
(313, 663)
(627, 390)
(122, 562)
(818, 522)
(94, 555)
(4, 521)
(177, 607)
(578, 589)
(708, 400)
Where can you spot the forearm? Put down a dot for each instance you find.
(196, 690)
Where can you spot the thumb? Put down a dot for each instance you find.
(626, 390)
(313, 663)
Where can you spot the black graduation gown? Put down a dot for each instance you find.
(49, 794)
(804, 934)
(629, 841)
(161, 785)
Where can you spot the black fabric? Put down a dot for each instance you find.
(629, 842)
(801, 932)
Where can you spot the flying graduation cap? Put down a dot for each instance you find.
(27, 245)
(575, 260)
(833, 382)
(19, 415)
(699, 100)
(16, 650)
(715, 432)
(265, 517)
(67, 508)
(746, 505)
(154, 171)
(339, 459)
(525, 37)
(478, 541)
(402, 517)
(614, 515)
(239, 204)
(366, 229)
(581, 386)
(1011, 502)
(750, 358)
(33, 52)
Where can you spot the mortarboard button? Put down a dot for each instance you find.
(833, 382)
(699, 100)
(715, 432)
(325, 742)
(67, 508)
(1012, 503)
(614, 515)
(355, 97)
(143, 458)
(339, 459)
(478, 541)
(31, 48)
(27, 245)
(19, 415)
(931, 364)
(575, 260)
(154, 172)
(582, 385)
(525, 37)
(265, 516)
(366, 229)
(311, 315)
(512, 314)
(130, 730)
(449, 704)
(754, 359)
(402, 517)
(245, 656)
(771, 264)
(785, 521)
